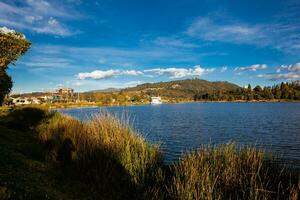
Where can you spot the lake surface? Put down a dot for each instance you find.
(182, 127)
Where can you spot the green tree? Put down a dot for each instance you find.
(284, 90)
(257, 88)
(249, 88)
(12, 46)
(5, 85)
(277, 92)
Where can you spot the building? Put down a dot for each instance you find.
(65, 93)
(156, 100)
(21, 101)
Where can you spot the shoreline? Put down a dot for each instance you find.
(82, 105)
(165, 103)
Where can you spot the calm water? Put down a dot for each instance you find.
(181, 127)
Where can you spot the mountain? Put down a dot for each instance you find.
(106, 90)
(182, 88)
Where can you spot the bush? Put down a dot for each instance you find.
(25, 118)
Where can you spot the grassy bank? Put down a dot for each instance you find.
(103, 158)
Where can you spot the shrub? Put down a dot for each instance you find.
(25, 118)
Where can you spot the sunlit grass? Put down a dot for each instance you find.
(104, 146)
(229, 172)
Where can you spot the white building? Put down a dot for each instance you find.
(25, 101)
(35, 101)
(21, 101)
(156, 100)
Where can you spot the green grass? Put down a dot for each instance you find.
(58, 157)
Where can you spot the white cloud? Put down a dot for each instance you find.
(99, 74)
(223, 69)
(277, 77)
(38, 16)
(173, 42)
(207, 29)
(289, 68)
(180, 72)
(280, 34)
(284, 72)
(150, 73)
(6, 30)
(113, 57)
(54, 27)
(47, 62)
(251, 68)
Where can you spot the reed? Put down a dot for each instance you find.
(106, 151)
(229, 172)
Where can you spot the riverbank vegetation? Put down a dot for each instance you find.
(46, 155)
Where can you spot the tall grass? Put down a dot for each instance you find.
(106, 150)
(106, 153)
(229, 172)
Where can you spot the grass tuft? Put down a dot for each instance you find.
(106, 150)
(229, 172)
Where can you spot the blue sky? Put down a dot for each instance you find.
(91, 45)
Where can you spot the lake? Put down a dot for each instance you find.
(181, 127)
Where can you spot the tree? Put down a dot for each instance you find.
(249, 88)
(257, 88)
(277, 92)
(5, 85)
(12, 46)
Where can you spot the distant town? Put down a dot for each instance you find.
(59, 95)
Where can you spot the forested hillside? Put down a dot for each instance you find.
(283, 91)
(183, 88)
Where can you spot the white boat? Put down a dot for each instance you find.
(156, 100)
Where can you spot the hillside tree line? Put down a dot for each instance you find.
(284, 91)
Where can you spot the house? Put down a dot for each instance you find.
(156, 100)
(35, 101)
(65, 93)
(21, 101)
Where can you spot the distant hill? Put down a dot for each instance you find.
(106, 90)
(183, 88)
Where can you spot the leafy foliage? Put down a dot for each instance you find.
(5, 85)
(12, 46)
(283, 91)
